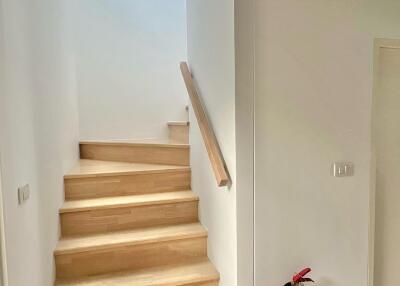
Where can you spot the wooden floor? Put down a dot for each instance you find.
(132, 221)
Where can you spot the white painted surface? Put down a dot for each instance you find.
(212, 61)
(128, 54)
(38, 131)
(4, 277)
(387, 142)
(244, 120)
(313, 107)
(3, 253)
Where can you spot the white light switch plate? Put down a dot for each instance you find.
(343, 169)
(23, 194)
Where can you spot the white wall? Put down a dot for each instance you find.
(212, 61)
(38, 132)
(128, 54)
(244, 120)
(313, 107)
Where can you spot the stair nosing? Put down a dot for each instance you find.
(210, 279)
(131, 204)
(128, 173)
(185, 283)
(107, 246)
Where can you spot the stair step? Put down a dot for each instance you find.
(126, 212)
(128, 201)
(179, 132)
(97, 179)
(102, 241)
(137, 152)
(195, 274)
(130, 250)
(97, 168)
(178, 123)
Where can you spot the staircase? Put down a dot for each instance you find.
(130, 217)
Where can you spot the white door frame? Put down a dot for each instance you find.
(379, 44)
(3, 265)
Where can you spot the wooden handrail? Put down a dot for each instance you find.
(212, 146)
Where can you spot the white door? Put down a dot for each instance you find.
(387, 154)
(3, 264)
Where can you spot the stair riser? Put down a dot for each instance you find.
(131, 258)
(136, 154)
(104, 220)
(179, 133)
(121, 185)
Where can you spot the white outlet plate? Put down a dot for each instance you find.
(23, 194)
(343, 169)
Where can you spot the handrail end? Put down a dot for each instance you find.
(224, 183)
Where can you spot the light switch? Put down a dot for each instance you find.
(23, 194)
(343, 169)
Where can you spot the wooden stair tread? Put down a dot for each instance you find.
(95, 168)
(137, 143)
(128, 201)
(130, 237)
(184, 275)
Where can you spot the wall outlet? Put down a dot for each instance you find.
(343, 169)
(23, 194)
